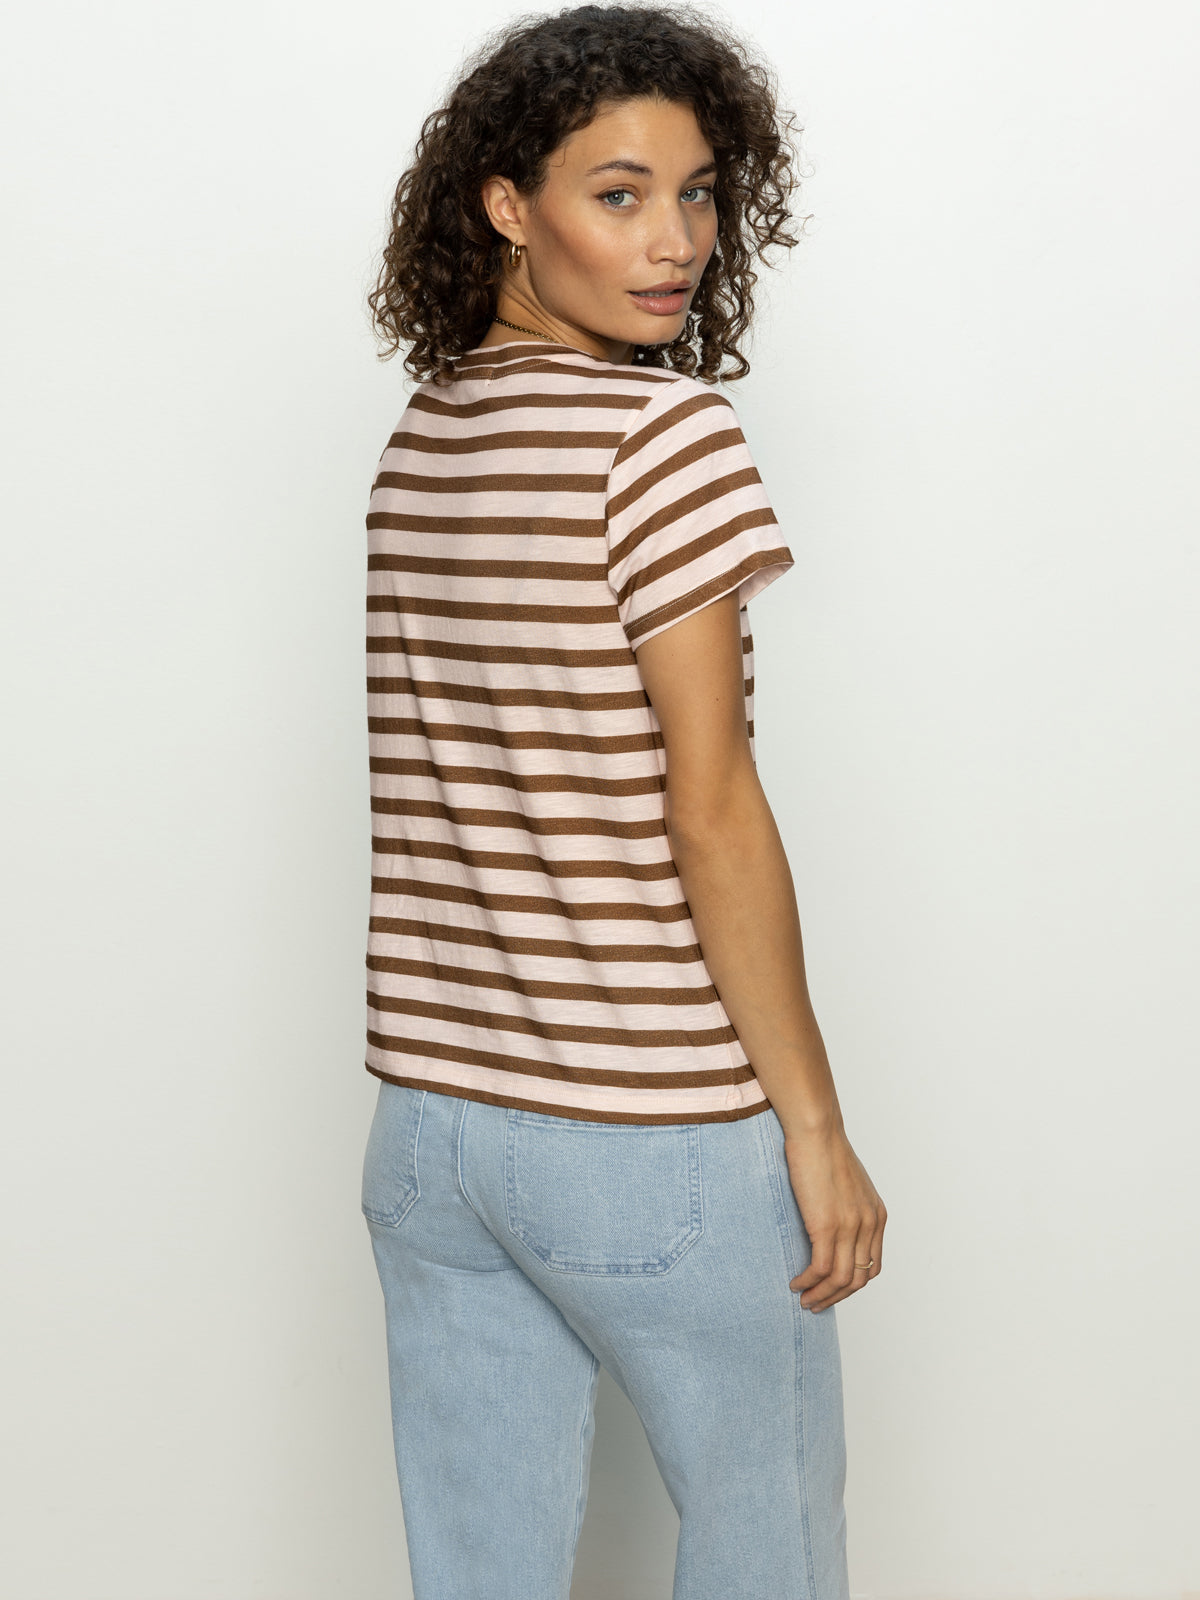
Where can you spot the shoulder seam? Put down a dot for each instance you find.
(640, 415)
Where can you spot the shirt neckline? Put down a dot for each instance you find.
(517, 349)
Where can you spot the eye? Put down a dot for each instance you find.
(615, 194)
(702, 190)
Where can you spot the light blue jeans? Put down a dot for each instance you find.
(519, 1253)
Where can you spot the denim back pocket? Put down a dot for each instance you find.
(389, 1179)
(602, 1197)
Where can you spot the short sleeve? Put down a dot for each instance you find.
(687, 516)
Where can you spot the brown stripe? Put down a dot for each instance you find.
(514, 439)
(491, 695)
(421, 688)
(685, 555)
(512, 861)
(466, 817)
(533, 905)
(515, 654)
(511, 527)
(522, 401)
(479, 610)
(609, 1076)
(729, 580)
(576, 1113)
(526, 782)
(493, 483)
(514, 945)
(484, 570)
(511, 739)
(567, 1033)
(512, 350)
(537, 360)
(475, 978)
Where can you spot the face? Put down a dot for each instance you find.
(616, 241)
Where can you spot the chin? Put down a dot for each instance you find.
(662, 330)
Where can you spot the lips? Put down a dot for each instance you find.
(664, 299)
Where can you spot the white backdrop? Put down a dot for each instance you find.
(975, 403)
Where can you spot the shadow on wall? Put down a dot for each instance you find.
(630, 1528)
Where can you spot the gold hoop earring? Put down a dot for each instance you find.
(514, 253)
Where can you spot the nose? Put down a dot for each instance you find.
(672, 239)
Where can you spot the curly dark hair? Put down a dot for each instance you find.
(529, 87)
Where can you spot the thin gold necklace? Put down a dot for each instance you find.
(517, 328)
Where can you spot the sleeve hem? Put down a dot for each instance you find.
(751, 575)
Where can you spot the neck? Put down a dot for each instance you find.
(529, 314)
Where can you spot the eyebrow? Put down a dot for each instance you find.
(645, 172)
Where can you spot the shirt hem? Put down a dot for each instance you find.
(576, 1113)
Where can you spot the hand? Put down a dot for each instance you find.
(842, 1213)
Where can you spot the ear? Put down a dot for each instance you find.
(501, 201)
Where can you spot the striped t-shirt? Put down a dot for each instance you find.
(531, 523)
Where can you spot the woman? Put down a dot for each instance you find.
(607, 1132)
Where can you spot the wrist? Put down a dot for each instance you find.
(810, 1121)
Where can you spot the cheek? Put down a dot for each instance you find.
(586, 245)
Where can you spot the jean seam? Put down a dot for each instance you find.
(798, 1313)
(458, 1171)
(589, 1401)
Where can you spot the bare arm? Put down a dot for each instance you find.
(735, 875)
(732, 863)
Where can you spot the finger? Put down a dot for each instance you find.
(870, 1250)
(862, 1266)
(825, 1274)
(824, 1254)
(843, 1279)
(876, 1249)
